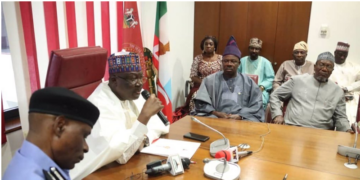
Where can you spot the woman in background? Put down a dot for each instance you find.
(204, 64)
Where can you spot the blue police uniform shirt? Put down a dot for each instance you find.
(29, 162)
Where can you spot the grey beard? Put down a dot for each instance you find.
(321, 79)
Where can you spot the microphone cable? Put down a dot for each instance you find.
(263, 139)
(225, 165)
(140, 175)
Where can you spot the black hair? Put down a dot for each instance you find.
(206, 38)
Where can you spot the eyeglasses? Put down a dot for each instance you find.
(133, 80)
(328, 66)
(230, 61)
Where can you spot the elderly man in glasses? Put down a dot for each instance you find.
(127, 122)
(294, 67)
(314, 101)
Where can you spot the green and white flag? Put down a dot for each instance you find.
(162, 59)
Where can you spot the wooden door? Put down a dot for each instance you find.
(261, 23)
(292, 27)
(233, 17)
(278, 24)
(206, 22)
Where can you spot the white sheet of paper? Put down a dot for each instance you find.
(166, 147)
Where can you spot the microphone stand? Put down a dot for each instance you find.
(356, 127)
(350, 152)
(218, 145)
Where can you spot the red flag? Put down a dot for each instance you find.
(162, 59)
(132, 41)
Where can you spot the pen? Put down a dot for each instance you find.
(285, 177)
(47, 175)
(56, 174)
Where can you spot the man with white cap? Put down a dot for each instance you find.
(258, 65)
(347, 75)
(294, 67)
(313, 100)
(126, 122)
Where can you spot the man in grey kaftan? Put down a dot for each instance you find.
(227, 94)
(239, 95)
(314, 101)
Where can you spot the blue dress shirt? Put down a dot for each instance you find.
(29, 162)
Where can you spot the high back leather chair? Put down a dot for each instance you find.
(78, 69)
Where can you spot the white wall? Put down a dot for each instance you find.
(181, 35)
(343, 20)
(19, 59)
(14, 141)
(21, 76)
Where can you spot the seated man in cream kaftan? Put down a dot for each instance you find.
(126, 121)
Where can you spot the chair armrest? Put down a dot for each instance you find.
(187, 83)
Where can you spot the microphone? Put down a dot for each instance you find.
(231, 154)
(356, 127)
(159, 169)
(145, 94)
(223, 154)
(220, 144)
(351, 152)
(175, 165)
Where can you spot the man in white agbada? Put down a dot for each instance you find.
(126, 122)
(347, 75)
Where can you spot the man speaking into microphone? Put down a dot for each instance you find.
(127, 123)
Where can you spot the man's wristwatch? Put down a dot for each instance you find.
(262, 88)
(146, 141)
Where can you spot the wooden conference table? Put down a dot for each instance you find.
(302, 153)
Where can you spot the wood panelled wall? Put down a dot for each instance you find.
(278, 24)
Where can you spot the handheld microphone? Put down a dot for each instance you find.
(223, 154)
(220, 144)
(145, 94)
(159, 169)
(231, 155)
(175, 165)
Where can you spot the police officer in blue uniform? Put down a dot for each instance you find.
(59, 122)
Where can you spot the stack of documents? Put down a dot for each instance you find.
(166, 147)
